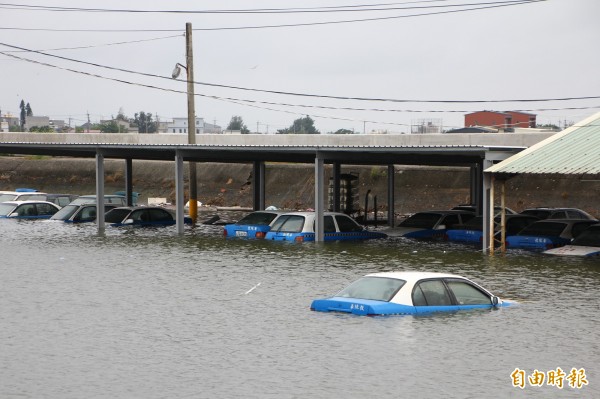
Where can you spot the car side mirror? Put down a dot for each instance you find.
(128, 221)
(13, 215)
(441, 227)
(495, 301)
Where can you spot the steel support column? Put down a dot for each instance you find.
(129, 181)
(391, 197)
(258, 185)
(179, 200)
(474, 185)
(337, 171)
(487, 204)
(100, 192)
(319, 200)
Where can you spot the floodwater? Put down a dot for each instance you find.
(146, 313)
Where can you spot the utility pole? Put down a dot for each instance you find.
(189, 55)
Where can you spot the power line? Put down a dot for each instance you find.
(331, 9)
(513, 3)
(96, 45)
(253, 103)
(321, 96)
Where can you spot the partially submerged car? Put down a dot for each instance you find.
(118, 200)
(402, 293)
(300, 226)
(558, 213)
(473, 208)
(549, 233)
(585, 244)
(22, 195)
(79, 213)
(28, 209)
(430, 224)
(141, 216)
(254, 225)
(472, 231)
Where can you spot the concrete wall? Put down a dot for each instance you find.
(487, 139)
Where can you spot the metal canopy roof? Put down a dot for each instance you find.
(574, 151)
(463, 155)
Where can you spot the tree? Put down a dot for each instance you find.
(343, 131)
(237, 123)
(28, 110)
(121, 115)
(144, 122)
(41, 129)
(23, 113)
(300, 126)
(109, 127)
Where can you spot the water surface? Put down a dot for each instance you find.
(145, 313)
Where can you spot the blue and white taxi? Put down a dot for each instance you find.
(402, 293)
(430, 224)
(254, 225)
(300, 226)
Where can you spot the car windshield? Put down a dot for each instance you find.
(425, 220)
(373, 288)
(543, 229)
(65, 213)
(589, 237)
(259, 218)
(289, 224)
(116, 215)
(6, 209)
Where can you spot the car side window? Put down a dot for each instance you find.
(467, 294)
(88, 213)
(574, 215)
(139, 216)
(431, 293)
(329, 225)
(27, 210)
(346, 224)
(450, 221)
(45, 209)
(159, 215)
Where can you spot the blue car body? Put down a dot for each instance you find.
(254, 225)
(472, 231)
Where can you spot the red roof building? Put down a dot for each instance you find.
(501, 120)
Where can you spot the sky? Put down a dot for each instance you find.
(396, 64)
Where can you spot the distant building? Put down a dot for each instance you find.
(36, 121)
(180, 125)
(506, 121)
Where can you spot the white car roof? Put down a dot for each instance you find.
(412, 275)
(28, 202)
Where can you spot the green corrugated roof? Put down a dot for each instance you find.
(574, 151)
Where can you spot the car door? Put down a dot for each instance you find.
(432, 295)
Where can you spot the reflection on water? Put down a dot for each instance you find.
(148, 313)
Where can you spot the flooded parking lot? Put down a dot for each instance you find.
(148, 313)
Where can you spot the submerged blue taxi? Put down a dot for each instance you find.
(403, 293)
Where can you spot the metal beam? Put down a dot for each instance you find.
(337, 171)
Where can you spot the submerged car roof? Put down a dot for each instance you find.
(412, 275)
